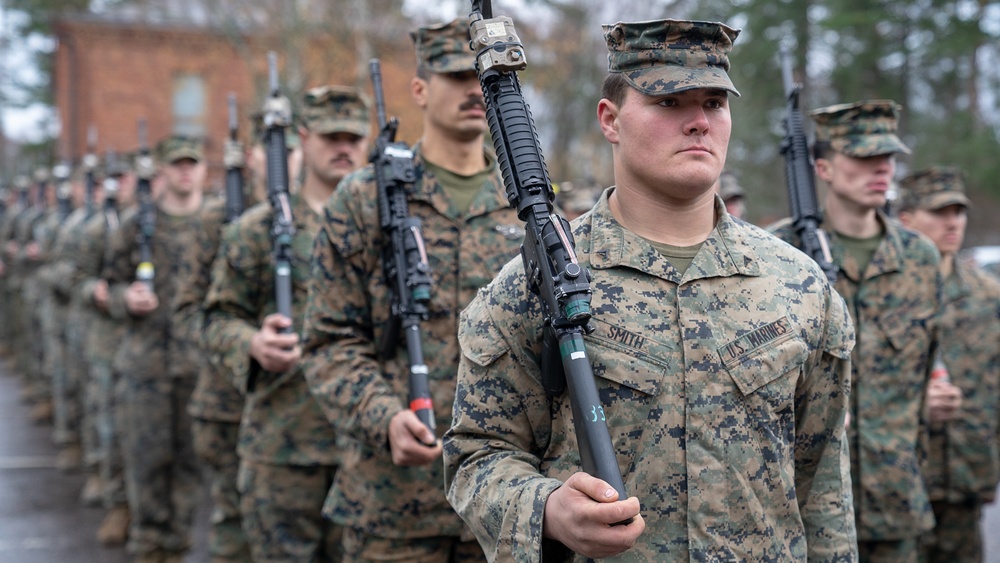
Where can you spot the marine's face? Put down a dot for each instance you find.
(185, 176)
(453, 104)
(675, 145)
(860, 181)
(329, 157)
(945, 226)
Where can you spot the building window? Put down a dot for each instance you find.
(189, 105)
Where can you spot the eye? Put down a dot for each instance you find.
(667, 102)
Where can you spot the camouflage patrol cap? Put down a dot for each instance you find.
(669, 56)
(575, 198)
(178, 147)
(336, 109)
(861, 129)
(933, 188)
(444, 47)
(118, 165)
(729, 187)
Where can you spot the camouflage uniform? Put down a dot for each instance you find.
(215, 405)
(963, 464)
(288, 450)
(384, 507)
(157, 371)
(29, 231)
(893, 304)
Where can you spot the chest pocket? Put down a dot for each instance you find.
(902, 329)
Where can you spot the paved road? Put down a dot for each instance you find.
(41, 520)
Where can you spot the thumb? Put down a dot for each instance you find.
(595, 488)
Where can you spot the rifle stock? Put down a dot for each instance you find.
(550, 264)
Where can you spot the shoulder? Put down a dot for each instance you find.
(982, 282)
(915, 246)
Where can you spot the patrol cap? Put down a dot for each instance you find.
(118, 164)
(444, 47)
(729, 187)
(861, 129)
(668, 56)
(336, 109)
(933, 188)
(572, 197)
(178, 147)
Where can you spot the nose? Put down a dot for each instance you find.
(696, 122)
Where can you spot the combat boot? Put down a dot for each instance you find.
(93, 491)
(114, 527)
(41, 413)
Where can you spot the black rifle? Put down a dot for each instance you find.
(550, 264)
(278, 116)
(42, 181)
(234, 161)
(145, 171)
(90, 168)
(806, 216)
(405, 268)
(60, 173)
(111, 187)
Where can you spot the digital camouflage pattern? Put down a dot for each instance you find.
(668, 56)
(893, 304)
(962, 467)
(933, 188)
(336, 109)
(349, 308)
(178, 147)
(289, 452)
(445, 47)
(282, 424)
(724, 390)
(215, 445)
(860, 129)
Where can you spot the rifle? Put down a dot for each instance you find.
(405, 268)
(111, 186)
(145, 171)
(277, 116)
(61, 173)
(234, 161)
(550, 264)
(806, 216)
(90, 165)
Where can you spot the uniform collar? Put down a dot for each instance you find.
(726, 252)
(888, 256)
(489, 199)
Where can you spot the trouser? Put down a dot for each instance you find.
(215, 444)
(161, 471)
(64, 423)
(112, 467)
(956, 538)
(363, 548)
(85, 396)
(282, 508)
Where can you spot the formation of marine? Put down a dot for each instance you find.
(381, 352)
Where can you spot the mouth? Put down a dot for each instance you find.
(475, 106)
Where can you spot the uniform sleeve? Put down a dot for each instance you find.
(494, 448)
(119, 269)
(822, 463)
(232, 307)
(341, 366)
(194, 277)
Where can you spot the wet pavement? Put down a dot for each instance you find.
(41, 518)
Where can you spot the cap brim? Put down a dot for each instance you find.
(455, 63)
(331, 127)
(869, 145)
(670, 79)
(944, 199)
(182, 154)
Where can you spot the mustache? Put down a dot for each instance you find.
(473, 103)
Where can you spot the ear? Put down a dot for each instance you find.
(418, 89)
(303, 134)
(607, 117)
(906, 218)
(824, 169)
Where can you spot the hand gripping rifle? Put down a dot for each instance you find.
(90, 168)
(278, 116)
(234, 162)
(405, 268)
(145, 171)
(61, 173)
(550, 264)
(806, 216)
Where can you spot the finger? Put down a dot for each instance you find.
(593, 487)
(417, 429)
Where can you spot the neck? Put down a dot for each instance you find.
(178, 204)
(673, 222)
(315, 192)
(851, 219)
(461, 157)
(947, 264)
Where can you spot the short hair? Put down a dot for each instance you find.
(822, 149)
(615, 88)
(422, 72)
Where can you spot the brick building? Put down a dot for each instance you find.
(109, 74)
